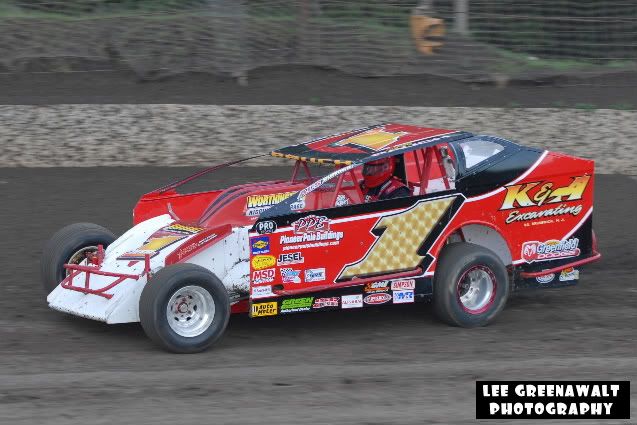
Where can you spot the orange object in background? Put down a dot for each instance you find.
(427, 33)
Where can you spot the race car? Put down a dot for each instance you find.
(397, 214)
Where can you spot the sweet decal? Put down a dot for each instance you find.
(538, 194)
(550, 250)
(260, 262)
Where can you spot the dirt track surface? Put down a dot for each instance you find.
(303, 85)
(390, 365)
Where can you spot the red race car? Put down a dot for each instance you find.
(404, 214)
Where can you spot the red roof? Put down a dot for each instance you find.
(355, 145)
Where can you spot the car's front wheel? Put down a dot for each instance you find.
(184, 308)
(471, 285)
(70, 245)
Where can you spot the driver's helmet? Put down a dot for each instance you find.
(378, 172)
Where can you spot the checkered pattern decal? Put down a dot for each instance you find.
(180, 228)
(396, 249)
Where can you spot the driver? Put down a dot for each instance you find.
(379, 181)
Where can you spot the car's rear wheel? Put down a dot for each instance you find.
(471, 285)
(184, 308)
(70, 245)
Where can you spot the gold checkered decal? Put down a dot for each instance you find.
(397, 248)
(180, 228)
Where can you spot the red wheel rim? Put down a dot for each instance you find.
(476, 289)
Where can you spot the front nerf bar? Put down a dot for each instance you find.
(76, 269)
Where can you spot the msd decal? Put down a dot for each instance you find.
(550, 250)
(263, 276)
(538, 194)
(376, 299)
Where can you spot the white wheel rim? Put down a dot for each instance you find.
(190, 311)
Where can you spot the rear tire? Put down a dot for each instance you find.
(69, 242)
(184, 308)
(471, 285)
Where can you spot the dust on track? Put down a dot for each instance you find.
(378, 366)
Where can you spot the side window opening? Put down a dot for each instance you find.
(477, 150)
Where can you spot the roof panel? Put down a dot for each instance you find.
(355, 145)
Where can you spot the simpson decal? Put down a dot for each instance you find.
(401, 235)
(376, 299)
(402, 297)
(352, 301)
(398, 285)
(264, 309)
(256, 204)
(260, 245)
(260, 262)
(550, 250)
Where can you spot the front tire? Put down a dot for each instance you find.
(471, 285)
(70, 244)
(184, 308)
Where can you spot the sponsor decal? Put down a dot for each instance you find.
(264, 309)
(260, 262)
(180, 228)
(256, 204)
(402, 297)
(326, 302)
(403, 284)
(370, 140)
(382, 286)
(550, 250)
(260, 245)
(547, 278)
(267, 226)
(538, 194)
(352, 301)
(341, 200)
(378, 298)
(195, 244)
(311, 224)
(290, 258)
(569, 274)
(151, 247)
(295, 305)
(263, 276)
(262, 292)
(290, 275)
(315, 275)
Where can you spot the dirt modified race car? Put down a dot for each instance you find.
(478, 217)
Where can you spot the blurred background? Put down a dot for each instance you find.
(104, 100)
